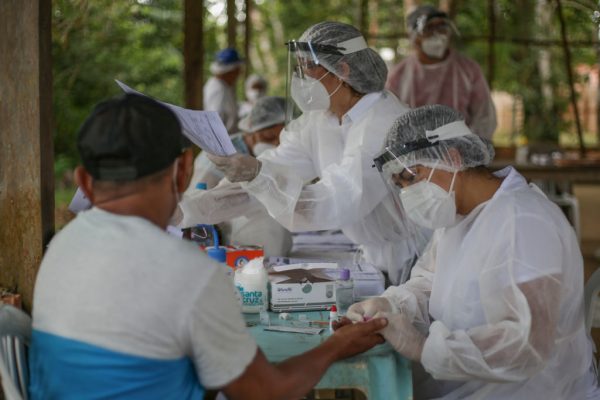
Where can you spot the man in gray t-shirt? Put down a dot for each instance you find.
(122, 309)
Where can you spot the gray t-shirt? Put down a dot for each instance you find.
(122, 284)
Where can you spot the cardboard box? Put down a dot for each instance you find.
(302, 287)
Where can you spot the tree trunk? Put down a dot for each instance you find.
(193, 53)
(26, 153)
(231, 24)
(247, 36)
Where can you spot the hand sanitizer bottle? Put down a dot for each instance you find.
(344, 292)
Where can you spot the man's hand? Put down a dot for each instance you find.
(237, 167)
(351, 339)
(403, 336)
(365, 310)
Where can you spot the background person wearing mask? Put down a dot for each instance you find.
(137, 313)
(261, 129)
(219, 89)
(502, 277)
(437, 74)
(338, 84)
(255, 87)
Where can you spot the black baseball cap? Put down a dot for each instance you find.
(129, 137)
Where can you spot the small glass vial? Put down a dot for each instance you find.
(344, 292)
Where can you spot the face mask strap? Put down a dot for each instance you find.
(336, 89)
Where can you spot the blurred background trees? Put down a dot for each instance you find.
(141, 43)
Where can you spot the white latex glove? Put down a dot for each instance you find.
(366, 309)
(213, 206)
(237, 167)
(402, 335)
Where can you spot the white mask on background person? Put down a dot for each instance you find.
(435, 46)
(310, 94)
(261, 147)
(428, 205)
(253, 94)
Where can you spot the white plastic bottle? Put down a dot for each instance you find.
(344, 292)
(251, 282)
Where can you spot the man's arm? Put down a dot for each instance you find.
(295, 376)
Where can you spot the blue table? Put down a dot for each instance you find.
(380, 373)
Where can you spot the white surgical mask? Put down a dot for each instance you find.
(253, 94)
(261, 147)
(428, 205)
(435, 46)
(310, 94)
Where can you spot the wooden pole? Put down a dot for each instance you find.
(247, 36)
(491, 42)
(193, 53)
(26, 153)
(363, 17)
(231, 24)
(567, 51)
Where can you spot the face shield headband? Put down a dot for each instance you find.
(306, 55)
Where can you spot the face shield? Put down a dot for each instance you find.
(308, 64)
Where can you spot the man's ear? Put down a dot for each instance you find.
(85, 182)
(455, 157)
(185, 170)
(343, 71)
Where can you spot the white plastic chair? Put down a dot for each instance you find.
(15, 333)
(13, 367)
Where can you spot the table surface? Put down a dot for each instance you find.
(380, 373)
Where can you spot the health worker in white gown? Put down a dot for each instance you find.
(338, 83)
(494, 308)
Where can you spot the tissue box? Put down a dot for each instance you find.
(302, 287)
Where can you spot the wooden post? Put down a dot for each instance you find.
(567, 51)
(193, 53)
(363, 18)
(26, 153)
(231, 24)
(247, 36)
(491, 42)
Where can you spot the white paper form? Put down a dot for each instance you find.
(203, 128)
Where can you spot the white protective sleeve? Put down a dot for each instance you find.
(412, 297)
(509, 350)
(222, 203)
(519, 286)
(346, 192)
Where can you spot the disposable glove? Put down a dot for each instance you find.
(366, 309)
(237, 167)
(213, 206)
(402, 335)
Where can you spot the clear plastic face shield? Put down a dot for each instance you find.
(308, 64)
(403, 166)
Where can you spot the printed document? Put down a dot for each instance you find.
(203, 128)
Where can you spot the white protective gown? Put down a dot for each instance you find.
(505, 290)
(456, 82)
(349, 195)
(251, 227)
(220, 97)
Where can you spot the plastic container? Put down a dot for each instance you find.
(251, 282)
(344, 292)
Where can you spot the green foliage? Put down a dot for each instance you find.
(140, 42)
(97, 41)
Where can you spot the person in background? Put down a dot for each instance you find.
(122, 309)
(320, 176)
(219, 89)
(255, 87)
(494, 307)
(261, 129)
(438, 74)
